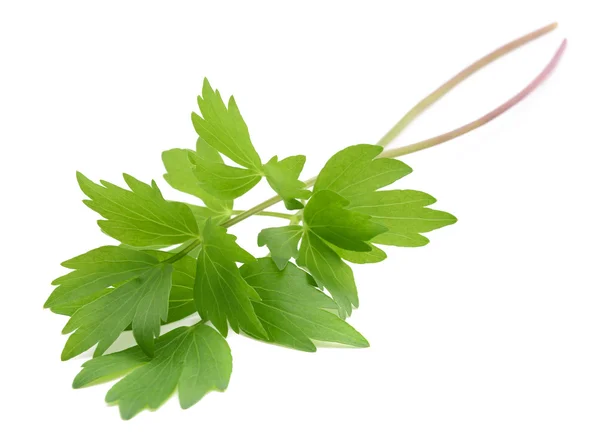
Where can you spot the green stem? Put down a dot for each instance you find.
(194, 244)
(436, 95)
(266, 213)
(252, 211)
(402, 151)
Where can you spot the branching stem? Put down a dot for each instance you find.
(432, 98)
(252, 211)
(396, 152)
(196, 242)
(180, 254)
(418, 109)
(436, 95)
(266, 213)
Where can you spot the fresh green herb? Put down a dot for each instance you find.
(195, 360)
(299, 294)
(140, 217)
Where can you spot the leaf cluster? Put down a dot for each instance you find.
(175, 260)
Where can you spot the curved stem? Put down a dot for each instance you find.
(458, 78)
(252, 211)
(195, 243)
(436, 95)
(396, 152)
(265, 213)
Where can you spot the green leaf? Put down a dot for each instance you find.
(180, 175)
(282, 243)
(181, 297)
(115, 365)
(71, 307)
(330, 271)
(403, 212)
(221, 294)
(93, 272)
(283, 178)
(142, 302)
(206, 152)
(140, 217)
(326, 217)
(293, 311)
(356, 174)
(202, 214)
(192, 360)
(354, 171)
(223, 181)
(361, 257)
(110, 266)
(224, 128)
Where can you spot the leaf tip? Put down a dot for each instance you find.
(78, 382)
(125, 414)
(362, 342)
(308, 348)
(66, 354)
(82, 180)
(280, 263)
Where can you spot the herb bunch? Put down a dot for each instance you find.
(176, 259)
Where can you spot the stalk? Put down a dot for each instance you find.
(436, 95)
(433, 97)
(195, 243)
(266, 213)
(252, 211)
(396, 152)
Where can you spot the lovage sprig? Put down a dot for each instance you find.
(177, 260)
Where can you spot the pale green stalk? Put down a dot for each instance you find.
(418, 109)
(434, 97)
(266, 213)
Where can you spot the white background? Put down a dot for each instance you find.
(490, 334)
